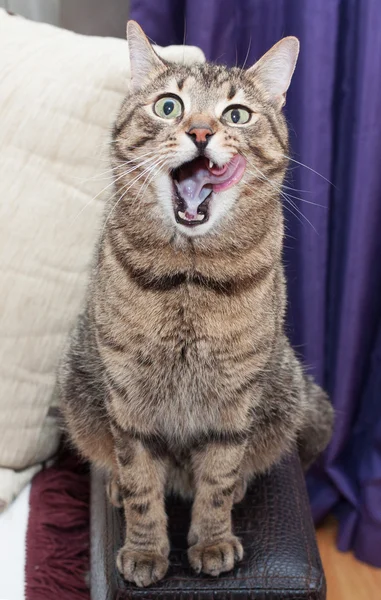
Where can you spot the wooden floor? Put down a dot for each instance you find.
(347, 578)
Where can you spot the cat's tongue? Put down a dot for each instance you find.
(197, 179)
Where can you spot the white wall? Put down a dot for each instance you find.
(95, 17)
(38, 10)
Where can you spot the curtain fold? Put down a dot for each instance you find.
(333, 243)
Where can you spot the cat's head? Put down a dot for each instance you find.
(192, 143)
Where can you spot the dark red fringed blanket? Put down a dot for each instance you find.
(57, 553)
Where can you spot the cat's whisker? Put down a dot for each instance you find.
(285, 205)
(118, 191)
(185, 35)
(135, 159)
(112, 169)
(123, 195)
(152, 151)
(288, 187)
(106, 142)
(274, 199)
(109, 185)
(103, 190)
(149, 178)
(307, 167)
(302, 214)
(282, 194)
(281, 188)
(306, 201)
(247, 55)
(293, 214)
(149, 170)
(121, 190)
(152, 172)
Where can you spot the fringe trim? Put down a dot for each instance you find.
(57, 544)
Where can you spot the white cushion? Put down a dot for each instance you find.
(59, 95)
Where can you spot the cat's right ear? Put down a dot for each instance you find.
(275, 69)
(144, 62)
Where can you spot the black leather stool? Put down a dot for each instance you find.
(273, 521)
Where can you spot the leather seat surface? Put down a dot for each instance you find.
(273, 521)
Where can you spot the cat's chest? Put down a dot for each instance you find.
(183, 388)
(181, 369)
(185, 344)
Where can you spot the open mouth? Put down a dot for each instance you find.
(196, 181)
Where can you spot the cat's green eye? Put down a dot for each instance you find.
(168, 107)
(237, 115)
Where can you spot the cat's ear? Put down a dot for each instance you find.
(144, 62)
(275, 69)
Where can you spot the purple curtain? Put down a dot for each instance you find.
(333, 244)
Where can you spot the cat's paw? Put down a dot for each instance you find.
(113, 493)
(142, 568)
(216, 558)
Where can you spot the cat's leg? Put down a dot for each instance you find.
(213, 546)
(91, 434)
(86, 420)
(143, 559)
(318, 424)
(82, 400)
(298, 416)
(292, 412)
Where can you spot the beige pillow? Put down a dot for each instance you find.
(59, 94)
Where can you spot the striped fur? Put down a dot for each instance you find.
(178, 377)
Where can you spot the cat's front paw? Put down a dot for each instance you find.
(142, 568)
(215, 558)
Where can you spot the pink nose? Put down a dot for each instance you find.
(200, 135)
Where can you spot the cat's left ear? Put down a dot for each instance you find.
(275, 69)
(144, 62)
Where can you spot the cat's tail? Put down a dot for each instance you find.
(317, 431)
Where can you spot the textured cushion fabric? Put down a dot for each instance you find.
(59, 94)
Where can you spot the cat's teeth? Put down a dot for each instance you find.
(211, 164)
(197, 217)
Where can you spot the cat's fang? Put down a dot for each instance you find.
(196, 178)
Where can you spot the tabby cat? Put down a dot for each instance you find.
(178, 377)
